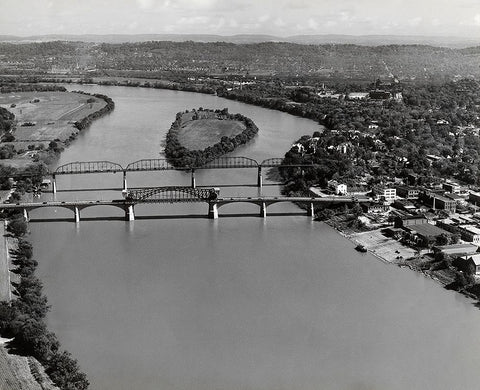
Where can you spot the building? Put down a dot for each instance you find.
(407, 192)
(456, 249)
(426, 233)
(380, 95)
(403, 204)
(474, 262)
(388, 194)
(375, 208)
(410, 220)
(453, 188)
(474, 197)
(338, 188)
(357, 95)
(440, 202)
(470, 233)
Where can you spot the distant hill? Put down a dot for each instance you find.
(366, 40)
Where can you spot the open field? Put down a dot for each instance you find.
(201, 133)
(52, 113)
(383, 247)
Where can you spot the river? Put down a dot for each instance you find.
(185, 302)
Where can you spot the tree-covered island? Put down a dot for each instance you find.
(199, 136)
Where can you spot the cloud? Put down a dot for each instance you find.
(476, 20)
(312, 24)
(279, 22)
(145, 4)
(415, 21)
(264, 18)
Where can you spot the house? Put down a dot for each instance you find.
(338, 188)
(299, 148)
(474, 262)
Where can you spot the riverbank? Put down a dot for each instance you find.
(391, 251)
(53, 118)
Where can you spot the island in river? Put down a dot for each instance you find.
(200, 136)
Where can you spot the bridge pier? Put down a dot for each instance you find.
(25, 215)
(54, 185)
(263, 210)
(212, 210)
(77, 214)
(311, 210)
(124, 180)
(259, 177)
(194, 184)
(130, 213)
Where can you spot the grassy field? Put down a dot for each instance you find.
(52, 113)
(201, 133)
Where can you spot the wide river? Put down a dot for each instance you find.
(177, 301)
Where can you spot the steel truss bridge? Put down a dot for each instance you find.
(210, 196)
(88, 167)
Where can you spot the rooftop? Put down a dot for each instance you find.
(426, 230)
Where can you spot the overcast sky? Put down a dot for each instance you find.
(228, 17)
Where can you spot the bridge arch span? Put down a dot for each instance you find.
(79, 167)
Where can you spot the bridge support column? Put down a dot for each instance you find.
(259, 178)
(25, 215)
(212, 210)
(124, 180)
(194, 184)
(130, 213)
(54, 185)
(263, 210)
(311, 210)
(77, 214)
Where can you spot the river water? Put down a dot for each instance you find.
(178, 301)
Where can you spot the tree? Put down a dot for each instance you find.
(18, 227)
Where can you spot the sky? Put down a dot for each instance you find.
(281, 18)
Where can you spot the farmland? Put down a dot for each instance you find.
(199, 134)
(45, 116)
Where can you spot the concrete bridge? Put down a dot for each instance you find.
(89, 167)
(135, 197)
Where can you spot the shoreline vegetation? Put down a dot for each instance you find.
(209, 125)
(23, 318)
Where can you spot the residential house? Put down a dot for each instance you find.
(474, 262)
